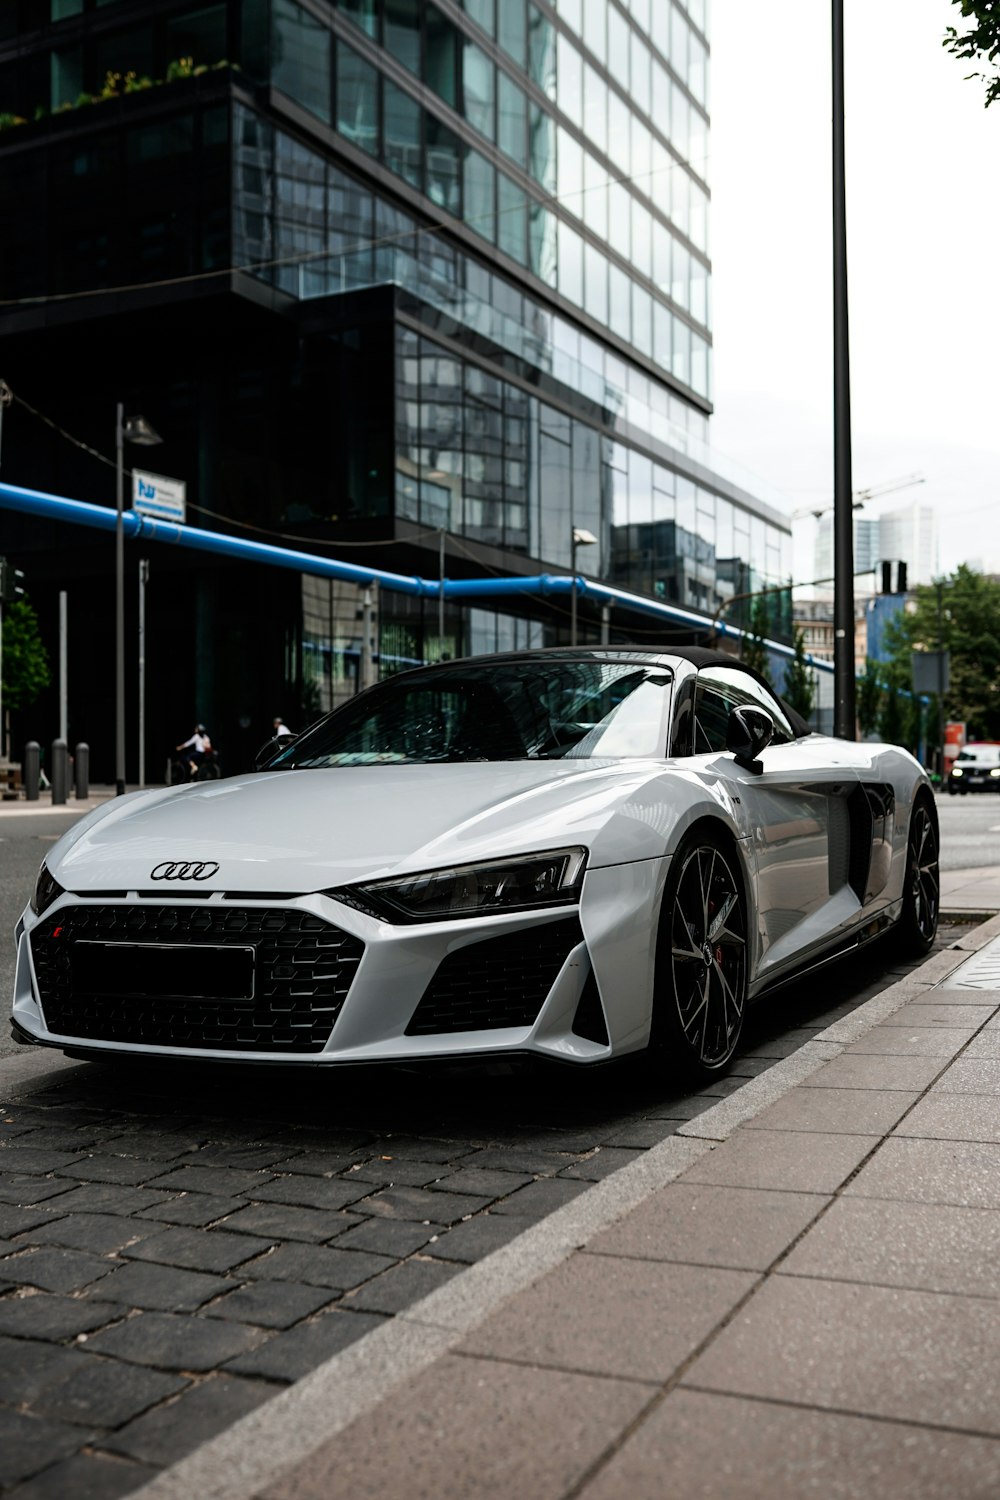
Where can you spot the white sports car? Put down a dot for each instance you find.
(576, 854)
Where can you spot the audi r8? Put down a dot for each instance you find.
(572, 853)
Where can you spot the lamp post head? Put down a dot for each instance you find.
(583, 538)
(137, 430)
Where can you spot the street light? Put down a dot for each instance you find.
(133, 430)
(581, 538)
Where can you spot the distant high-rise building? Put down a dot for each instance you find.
(906, 535)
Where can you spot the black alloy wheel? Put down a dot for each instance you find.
(921, 883)
(701, 968)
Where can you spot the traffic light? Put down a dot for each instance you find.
(887, 587)
(10, 582)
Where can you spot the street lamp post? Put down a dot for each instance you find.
(581, 538)
(133, 430)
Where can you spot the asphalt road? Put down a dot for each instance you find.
(179, 1242)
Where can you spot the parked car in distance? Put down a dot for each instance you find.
(977, 768)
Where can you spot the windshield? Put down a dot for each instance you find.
(527, 710)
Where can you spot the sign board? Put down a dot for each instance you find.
(931, 672)
(155, 495)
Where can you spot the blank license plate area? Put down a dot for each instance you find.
(158, 972)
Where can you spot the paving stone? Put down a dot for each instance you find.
(605, 1160)
(168, 1341)
(912, 1041)
(393, 1237)
(402, 1285)
(858, 1070)
(29, 1444)
(330, 1193)
(422, 1204)
(233, 1154)
(14, 1220)
(970, 1075)
(74, 1138)
(953, 1117)
(85, 1476)
(270, 1304)
(486, 1182)
(108, 1198)
(291, 1355)
(18, 1158)
(166, 1434)
(317, 1265)
(97, 1395)
(399, 1172)
(190, 1208)
(935, 1013)
(315, 1163)
(46, 1316)
(742, 1228)
(121, 1169)
(478, 1236)
(461, 1435)
(787, 1453)
(847, 1111)
(26, 1368)
(101, 1234)
(966, 1173)
(528, 1159)
(162, 1288)
(230, 1182)
(914, 1356)
(54, 1270)
(642, 1134)
(795, 1161)
(926, 1246)
(424, 1148)
(23, 1188)
(539, 1198)
(634, 1319)
(197, 1249)
(284, 1221)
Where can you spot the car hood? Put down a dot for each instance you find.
(308, 830)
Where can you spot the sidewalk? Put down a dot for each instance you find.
(796, 1294)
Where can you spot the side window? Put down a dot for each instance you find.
(720, 690)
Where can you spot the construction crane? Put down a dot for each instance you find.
(861, 497)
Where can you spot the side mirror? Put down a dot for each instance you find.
(748, 732)
(268, 751)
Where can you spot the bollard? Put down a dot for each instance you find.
(32, 767)
(81, 770)
(59, 774)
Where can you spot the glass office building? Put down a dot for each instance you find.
(423, 279)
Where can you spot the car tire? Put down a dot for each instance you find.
(917, 926)
(701, 970)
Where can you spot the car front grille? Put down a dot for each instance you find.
(501, 981)
(302, 969)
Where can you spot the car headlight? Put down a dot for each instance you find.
(523, 883)
(957, 771)
(995, 770)
(47, 889)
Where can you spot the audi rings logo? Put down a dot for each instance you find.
(190, 869)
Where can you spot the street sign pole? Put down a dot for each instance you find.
(843, 505)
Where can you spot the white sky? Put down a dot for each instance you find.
(923, 226)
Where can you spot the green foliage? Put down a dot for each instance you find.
(800, 687)
(981, 42)
(868, 698)
(26, 670)
(753, 651)
(961, 614)
(116, 84)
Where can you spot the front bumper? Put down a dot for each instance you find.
(338, 986)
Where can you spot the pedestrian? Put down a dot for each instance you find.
(198, 745)
(279, 727)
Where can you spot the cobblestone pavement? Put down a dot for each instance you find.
(178, 1243)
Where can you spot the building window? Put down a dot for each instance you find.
(357, 100)
(401, 134)
(402, 32)
(300, 58)
(444, 155)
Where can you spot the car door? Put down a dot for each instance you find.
(795, 809)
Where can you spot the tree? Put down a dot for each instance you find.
(869, 698)
(961, 614)
(753, 652)
(980, 42)
(25, 661)
(800, 688)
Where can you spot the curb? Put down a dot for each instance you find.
(243, 1460)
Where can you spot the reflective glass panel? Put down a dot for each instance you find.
(300, 57)
(401, 134)
(357, 100)
(479, 89)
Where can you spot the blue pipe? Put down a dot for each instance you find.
(153, 529)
